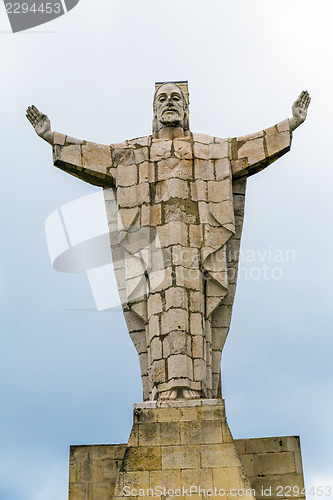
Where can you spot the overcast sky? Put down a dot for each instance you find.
(69, 374)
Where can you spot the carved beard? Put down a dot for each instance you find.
(171, 118)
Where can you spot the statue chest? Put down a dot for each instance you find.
(164, 181)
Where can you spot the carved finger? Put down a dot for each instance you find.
(305, 98)
(308, 100)
(33, 107)
(36, 114)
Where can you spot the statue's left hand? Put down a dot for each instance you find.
(300, 109)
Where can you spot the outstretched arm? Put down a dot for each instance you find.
(253, 153)
(89, 161)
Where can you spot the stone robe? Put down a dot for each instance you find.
(175, 212)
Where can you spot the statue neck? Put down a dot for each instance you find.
(172, 133)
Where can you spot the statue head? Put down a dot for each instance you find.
(170, 108)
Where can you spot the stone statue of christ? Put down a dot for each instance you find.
(175, 205)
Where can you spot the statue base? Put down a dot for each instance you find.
(185, 448)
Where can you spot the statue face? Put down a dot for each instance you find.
(170, 106)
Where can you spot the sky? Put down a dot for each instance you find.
(69, 373)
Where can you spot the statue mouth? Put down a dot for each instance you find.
(170, 110)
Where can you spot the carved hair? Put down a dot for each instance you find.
(185, 123)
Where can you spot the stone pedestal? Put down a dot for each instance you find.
(185, 448)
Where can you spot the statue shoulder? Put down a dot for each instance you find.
(139, 142)
(208, 139)
(132, 143)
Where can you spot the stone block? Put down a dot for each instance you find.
(222, 168)
(203, 138)
(180, 457)
(174, 168)
(219, 150)
(219, 336)
(219, 455)
(189, 278)
(160, 150)
(154, 304)
(177, 210)
(199, 369)
(197, 477)
(146, 172)
(169, 433)
(100, 491)
(173, 188)
(168, 414)
(253, 150)
(127, 196)
(168, 479)
(204, 168)
(141, 155)
(155, 350)
(59, 139)
(144, 458)
(187, 257)
(173, 320)
(78, 491)
(182, 149)
(276, 463)
(196, 433)
(176, 342)
(196, 302)
(197, 346)
(274, 483)
(196, 324)
(195, 233)
(158, 371)
(160, 280)
(123, 156)
(219, 190)
(127, 176)
(137, 480)
(276, 141)
(199, 190)
(174, 233)
(227, 478)
(139, 142)
(180, 365)
(265, 445)
(284, 126)
(221, 317)
(175, 297)
(96, 157)
(72, 155)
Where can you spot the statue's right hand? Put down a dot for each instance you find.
(41, 123)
